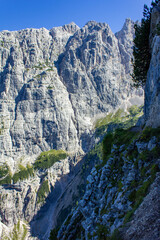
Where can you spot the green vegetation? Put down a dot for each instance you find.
(115, 235)
(107, 146)
(124, 136)
(137, 196)
(50, 87)
(24, 232)
(148, 133)
(23, 173)
(47, 159)
(2, 127)
(43, 191)
(5, 175)
(158, 30)
(120, 119)
(4, 169)
(19, 232)
(102, 232)
(141, 49)
(53, 234)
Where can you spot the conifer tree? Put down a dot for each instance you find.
(141, 49)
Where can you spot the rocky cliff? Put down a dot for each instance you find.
(121, 201)
(152, 90)
(54, 85)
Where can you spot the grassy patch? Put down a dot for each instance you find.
(148, 133)
(4, 170)
(43, 191)
(115, 235)
(107, 146)
(120, 119)
(102, 232)
(47, 159)
(124, 136)
(54, 233)
(5, 174)
(23, 173)
(136, 197)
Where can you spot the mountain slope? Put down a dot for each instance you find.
(54, 85)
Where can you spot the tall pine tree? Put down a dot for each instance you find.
(141, 49)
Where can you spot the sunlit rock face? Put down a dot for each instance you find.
(152, 90)
(55, 83)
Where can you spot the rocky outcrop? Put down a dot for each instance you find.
(145, 223)
(152, 89)
(116, 192)
(125, 41)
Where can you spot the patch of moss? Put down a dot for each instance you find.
(47, 159)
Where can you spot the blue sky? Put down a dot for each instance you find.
(20, 14)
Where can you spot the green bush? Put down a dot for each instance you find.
(47, 159)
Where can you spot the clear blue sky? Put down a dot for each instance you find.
(20, 14)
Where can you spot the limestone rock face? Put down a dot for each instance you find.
(125, 40)
(152, 89)
(55, 83)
